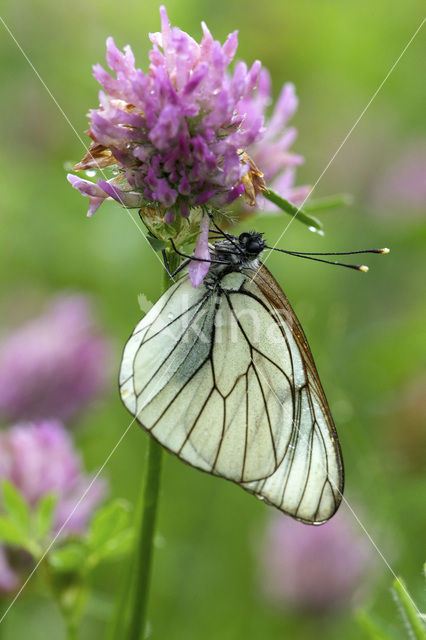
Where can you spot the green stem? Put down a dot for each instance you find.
(145, 539)
(409, 610)
(370, 627)
(72, 630)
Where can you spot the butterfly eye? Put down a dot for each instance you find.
(254, 245)
(244, 237)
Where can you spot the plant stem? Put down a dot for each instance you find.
(145, 539)
(412, 618)
(72, 630)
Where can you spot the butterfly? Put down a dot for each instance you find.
(222, 376)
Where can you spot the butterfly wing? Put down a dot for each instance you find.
(227, 383)
(308, 484)
(188, 378)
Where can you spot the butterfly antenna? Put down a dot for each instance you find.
(225, 235)
(313, 256)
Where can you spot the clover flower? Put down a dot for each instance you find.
(175, 133)
(54, 364)
(314, 569)
(176, 137)
(40, 458)
(271, 152)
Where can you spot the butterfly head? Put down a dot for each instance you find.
(252, 243)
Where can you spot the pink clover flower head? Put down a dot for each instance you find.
(39, 458)
(54, 364)
(313, 569)
(176, 131)
(189, 136)
(271, 151)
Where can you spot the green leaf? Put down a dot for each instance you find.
(329, 202)
(117, 545)
(371, 628)
(16, 507)
(293, 210)
(121, 543)
(411, 615)
(44, 514)
(108, 522)
(11, 533)
(69, 558)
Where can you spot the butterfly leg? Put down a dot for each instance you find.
(167, 265)
(185, 255)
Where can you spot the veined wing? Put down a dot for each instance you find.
(225, 380)
(308, 484)
(200, 378)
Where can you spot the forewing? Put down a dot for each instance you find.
(165, 378)
(256, 393)
(225, 379)
(308, 483)
(195, 376)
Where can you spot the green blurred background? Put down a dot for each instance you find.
(366, 331)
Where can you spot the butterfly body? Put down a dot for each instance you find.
(223, 377)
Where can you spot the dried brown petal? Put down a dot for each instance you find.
(97, 157)
(253, 180)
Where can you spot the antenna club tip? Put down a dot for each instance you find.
(363, 267)
(385, 250)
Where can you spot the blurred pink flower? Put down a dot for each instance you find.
(54, 364)
(401, 185)
(315, 569)
(40, 458)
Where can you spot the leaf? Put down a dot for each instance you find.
(108, 522)
(44, 514)
(372, 629)
(69, 558)
(11, 533)
(116, 546)
(121, 543)
(297, 213)
(412, 617)
(16, 507)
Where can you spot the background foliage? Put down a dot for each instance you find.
(367, 332)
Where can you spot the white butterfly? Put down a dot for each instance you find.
(223, 377)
